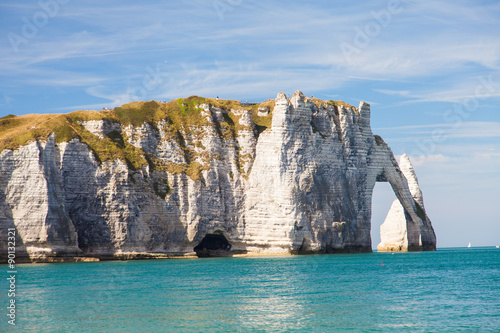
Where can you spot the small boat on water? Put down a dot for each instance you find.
(469, 245)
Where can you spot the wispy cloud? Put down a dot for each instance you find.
(260, 47)
(477, 87)
(455, 130)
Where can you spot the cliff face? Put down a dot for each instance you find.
(298, 180)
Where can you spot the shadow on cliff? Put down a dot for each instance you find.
(83, 203)
(161, 216)
(60, 230)
(6, 224)
(326, 217)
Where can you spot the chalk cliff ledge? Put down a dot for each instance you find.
(204, 176)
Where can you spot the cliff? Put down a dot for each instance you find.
(153, 179)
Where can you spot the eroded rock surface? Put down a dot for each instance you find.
(303, 185)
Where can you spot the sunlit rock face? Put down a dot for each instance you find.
(304, 184)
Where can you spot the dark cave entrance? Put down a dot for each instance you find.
(213, 245)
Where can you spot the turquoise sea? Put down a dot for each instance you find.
(446, 290)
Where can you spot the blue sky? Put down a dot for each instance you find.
(430, 69)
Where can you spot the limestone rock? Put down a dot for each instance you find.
(263, 111)
(303, 185)
(101, 128)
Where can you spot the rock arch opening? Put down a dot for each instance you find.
(213, 245)
(382, 198)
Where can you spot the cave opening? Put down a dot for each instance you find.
(213, 245)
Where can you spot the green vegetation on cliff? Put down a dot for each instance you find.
(181, 119)
(341, 103)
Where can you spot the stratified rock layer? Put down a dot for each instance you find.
(303, 185)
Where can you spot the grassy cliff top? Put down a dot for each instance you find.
(16, 131)
(180, 115)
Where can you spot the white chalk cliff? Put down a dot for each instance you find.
(302, 185)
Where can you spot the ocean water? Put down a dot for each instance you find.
(447, 290)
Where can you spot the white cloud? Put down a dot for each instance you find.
(476, 161)
(291, 46)
(444, 131)
(470, 90)
(423, 159)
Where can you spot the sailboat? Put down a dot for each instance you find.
(469, 245)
